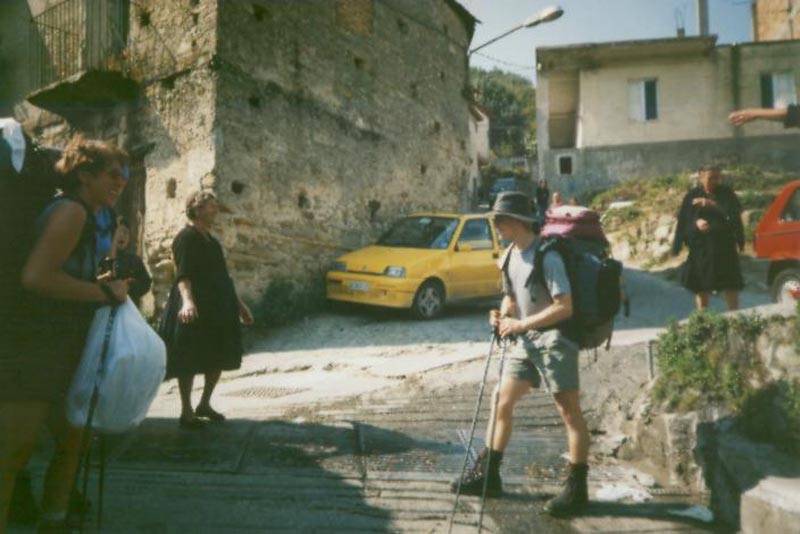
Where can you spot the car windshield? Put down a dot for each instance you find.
(420, 232)
(505, 184)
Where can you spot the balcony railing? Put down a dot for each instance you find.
(79, 36)
(76, 36)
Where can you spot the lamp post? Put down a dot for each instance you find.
(548, 14)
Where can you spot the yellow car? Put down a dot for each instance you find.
(422, 263)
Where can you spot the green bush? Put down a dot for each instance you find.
(702, 362)
(286, 301)
(698, 363)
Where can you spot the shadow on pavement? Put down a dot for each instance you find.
(240, 475)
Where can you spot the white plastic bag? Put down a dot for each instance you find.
(134, 368)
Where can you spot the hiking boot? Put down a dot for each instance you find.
(574, 498)
(472, 483)
(23, 509)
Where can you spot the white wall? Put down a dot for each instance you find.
(689, 96)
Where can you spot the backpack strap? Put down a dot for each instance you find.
(504, 261)
(554, 244)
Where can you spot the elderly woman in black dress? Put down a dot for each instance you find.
(710, 224)
(200, 323)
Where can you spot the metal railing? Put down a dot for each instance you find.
(75, 36)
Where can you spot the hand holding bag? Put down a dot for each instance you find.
(122, 365)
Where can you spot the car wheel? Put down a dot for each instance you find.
(429, 300)
(786, 286)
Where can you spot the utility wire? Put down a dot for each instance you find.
(506, 63)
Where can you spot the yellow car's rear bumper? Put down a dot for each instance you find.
(375, 290)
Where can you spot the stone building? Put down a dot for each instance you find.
(316, 123)
(611, 111)
(776, 20)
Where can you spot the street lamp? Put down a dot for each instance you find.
(548, 14)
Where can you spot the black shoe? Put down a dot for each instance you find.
(191, 422)
(23, 509)
(209, 413)
(574, 498)
(472, 482)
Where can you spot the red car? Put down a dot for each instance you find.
(777, 238)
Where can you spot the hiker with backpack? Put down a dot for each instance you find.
(57, 297)
(536, 311)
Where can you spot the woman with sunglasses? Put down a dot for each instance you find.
(61, 295)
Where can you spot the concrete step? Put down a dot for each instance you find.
(773, 505)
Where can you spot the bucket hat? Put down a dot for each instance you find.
(513, 204)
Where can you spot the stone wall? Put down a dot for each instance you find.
(330, 127)
(776, 20)
(316, 126)
(704, 450)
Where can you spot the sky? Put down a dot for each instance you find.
(592, 21)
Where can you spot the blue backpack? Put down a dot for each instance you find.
(596, 287)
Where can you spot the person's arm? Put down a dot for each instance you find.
(508, 306)
(742, 116)
(188, 311)
(557, 282)
(245, 315)
(43, 274)
(141, 278)
(734, 217)
(183, 250)
(685, 225)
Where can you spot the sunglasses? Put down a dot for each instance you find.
(123, 173)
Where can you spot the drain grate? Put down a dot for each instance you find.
(265, 392)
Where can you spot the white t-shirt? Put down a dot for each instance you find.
(520, 267)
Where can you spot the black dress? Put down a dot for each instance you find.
(213, 341)
(713, 263)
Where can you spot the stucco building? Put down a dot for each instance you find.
(316, 123)
(479, 152)
(611, 111)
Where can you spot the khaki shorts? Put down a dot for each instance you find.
(552, 358)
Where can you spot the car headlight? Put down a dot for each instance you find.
(395, 272)
(339, 266)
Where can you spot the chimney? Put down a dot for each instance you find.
(702, 17)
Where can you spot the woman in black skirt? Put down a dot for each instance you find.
(710, 224)
(200, 324)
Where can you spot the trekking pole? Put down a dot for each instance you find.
(495, 338)
(493, 424)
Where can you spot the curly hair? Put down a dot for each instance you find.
(86, 155)
(197, 199)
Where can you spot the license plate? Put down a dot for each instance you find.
(358, 286)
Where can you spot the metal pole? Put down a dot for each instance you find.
(487, 43)
(493, 423)
(472, 429)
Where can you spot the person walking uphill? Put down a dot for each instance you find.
(200, 324)
(538, 315)
(710, 224)
(56, 308)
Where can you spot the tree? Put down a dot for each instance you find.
(511, 102)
